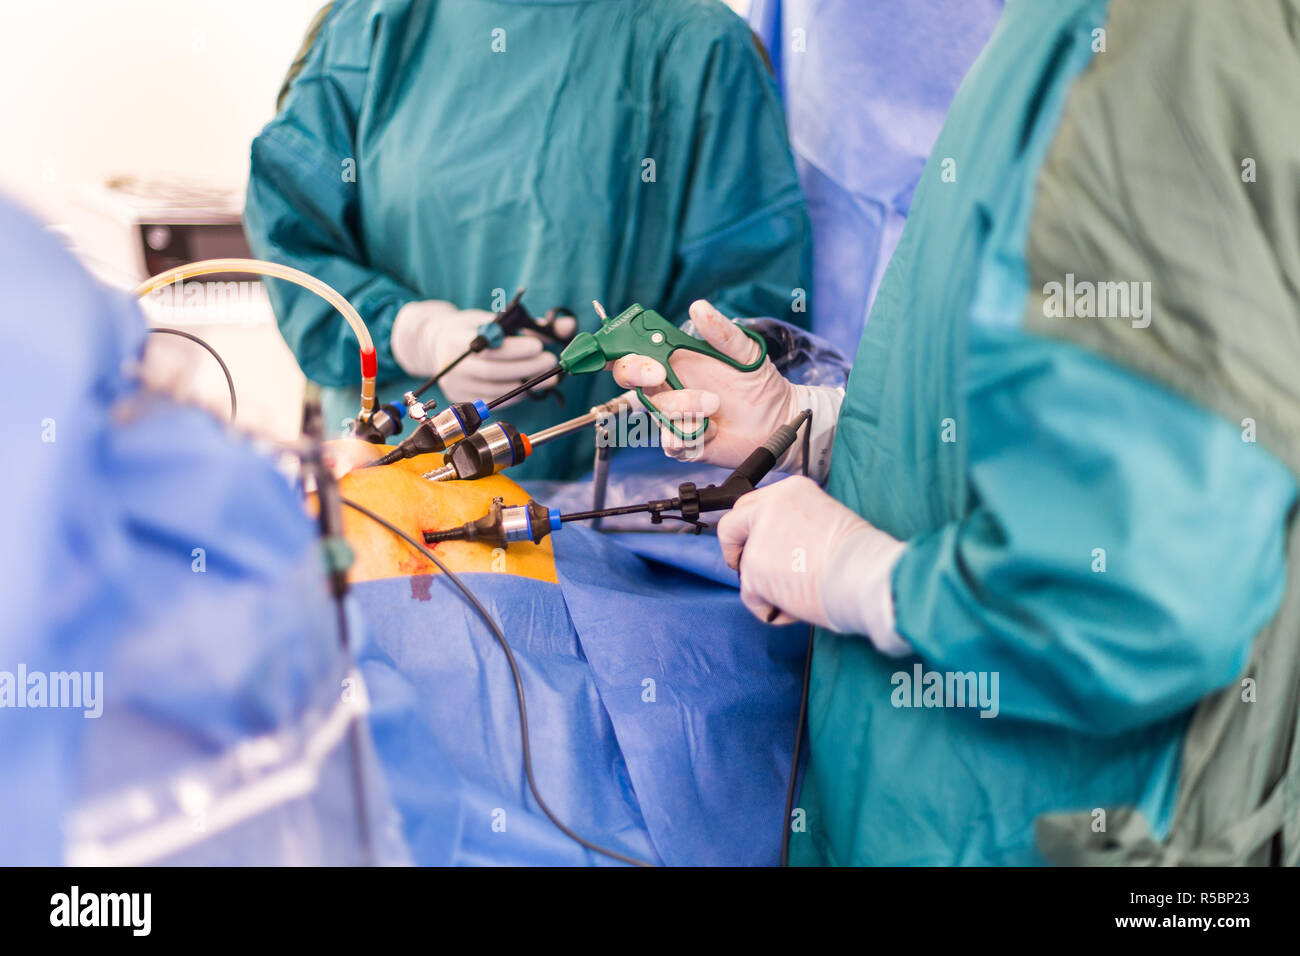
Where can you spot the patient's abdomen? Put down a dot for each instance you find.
(398, 493)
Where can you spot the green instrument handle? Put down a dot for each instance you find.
(638, 331)
(658, 339)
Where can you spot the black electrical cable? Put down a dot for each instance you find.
(230, 382)
(803, 697)
(518, 679)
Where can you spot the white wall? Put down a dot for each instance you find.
(98, 88)
(94, 88)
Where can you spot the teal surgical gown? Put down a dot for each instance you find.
(620, 150)
(1097, 509)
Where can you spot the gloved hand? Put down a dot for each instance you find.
(428, 336)
(743, 408)
(801, 551)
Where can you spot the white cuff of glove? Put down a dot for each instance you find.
(410, 347)
(825, 405)
(857, 589)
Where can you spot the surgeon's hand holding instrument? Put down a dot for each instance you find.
(744, 398)
(558, 328)
(640, 331)
(635, 335)
(847, 561)
(471, 352)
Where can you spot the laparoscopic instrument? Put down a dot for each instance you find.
(503, 526)
(636, 331)
(500, 445)
(511, 320)
(434, 433)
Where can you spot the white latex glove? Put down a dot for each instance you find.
(800, 550)
(427, 336)
(743, 408)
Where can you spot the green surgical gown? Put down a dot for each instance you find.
(1097, 512)
(620, 150)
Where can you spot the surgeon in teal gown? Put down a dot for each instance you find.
(1056, 567)
(618, 150)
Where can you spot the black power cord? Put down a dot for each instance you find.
(518, 679)
(230, 382)
(803, 697)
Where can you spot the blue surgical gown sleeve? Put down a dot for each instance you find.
(745, 229)
(1124, 548)
(303, 211)
(118, 492)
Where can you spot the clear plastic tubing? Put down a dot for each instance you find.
(369, 361)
